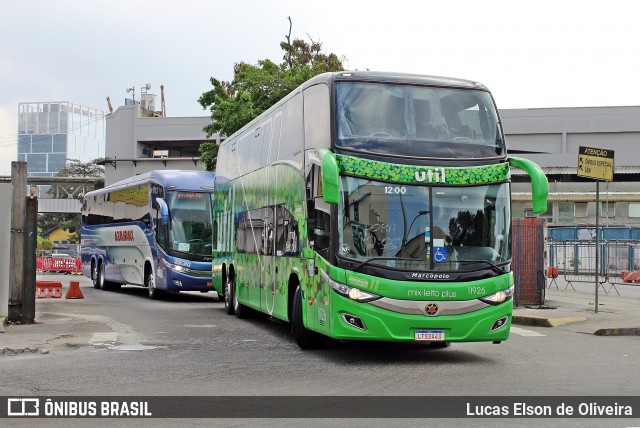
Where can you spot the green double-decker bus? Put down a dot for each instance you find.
(371, 206)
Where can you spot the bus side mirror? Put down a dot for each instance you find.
(330, 174)
(539, 182)
(164, 211)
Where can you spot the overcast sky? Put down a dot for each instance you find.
(544, 53)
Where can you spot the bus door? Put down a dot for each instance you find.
(286, 254)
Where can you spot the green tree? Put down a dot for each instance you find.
(71, 221)
(255, 88)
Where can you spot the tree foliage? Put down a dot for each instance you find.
(255, 88)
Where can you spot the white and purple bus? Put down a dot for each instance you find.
(152, 230)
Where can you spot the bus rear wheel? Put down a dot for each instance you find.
(306, 339)
(94, 276)
(104, 284)
(229, 290)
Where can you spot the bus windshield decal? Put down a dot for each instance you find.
(422, 174)
(190, 195)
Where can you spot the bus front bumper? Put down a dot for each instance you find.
(364, 321)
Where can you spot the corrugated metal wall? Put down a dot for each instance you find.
(59, 206)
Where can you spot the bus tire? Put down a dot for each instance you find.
(103, 283)
(94, 275)
(229, 290)
(239, 309)
(306, 339)
(440, 345)
(150, 283)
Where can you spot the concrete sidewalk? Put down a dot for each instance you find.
(573, 306)
(61, 324)
(66, 324)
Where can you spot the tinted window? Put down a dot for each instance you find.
(291, 141)
(417, 121)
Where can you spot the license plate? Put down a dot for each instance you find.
(430, 335)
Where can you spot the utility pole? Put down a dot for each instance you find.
(16, 266)
(30, 249)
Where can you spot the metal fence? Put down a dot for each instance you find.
(575, 260)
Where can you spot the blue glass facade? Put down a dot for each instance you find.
(51, 133)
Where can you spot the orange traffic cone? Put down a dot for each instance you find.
(74, 291)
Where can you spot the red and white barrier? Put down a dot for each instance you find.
(633, 276)
(59, 264)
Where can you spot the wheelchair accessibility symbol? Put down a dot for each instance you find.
(440, 254)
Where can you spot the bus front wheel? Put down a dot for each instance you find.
(306, 339)
(150, 283)
(239, 309)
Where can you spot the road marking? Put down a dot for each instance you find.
(200, 325)
(526, 333)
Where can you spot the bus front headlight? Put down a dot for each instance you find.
(346, 291)
(176, 268)
(498, 297)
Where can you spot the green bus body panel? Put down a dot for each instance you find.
(387, 325)
(262, 281)
(539, 182)
(392, 326)
(330, 176)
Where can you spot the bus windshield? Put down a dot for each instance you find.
(415, 121)
(190, 228)
(394, 226)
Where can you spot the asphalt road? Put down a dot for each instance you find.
(187, 345)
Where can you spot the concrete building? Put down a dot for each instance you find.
(50, 133)
(551, 138)
(139, 140)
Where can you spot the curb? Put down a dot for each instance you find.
(544, 321)
(633, 331)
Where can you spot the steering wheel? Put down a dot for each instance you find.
(462, 139)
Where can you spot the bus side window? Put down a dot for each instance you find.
(322, 228)
(286, 233)
(214, 239)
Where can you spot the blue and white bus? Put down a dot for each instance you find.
(152, 230)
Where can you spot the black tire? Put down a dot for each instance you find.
(229, 290)
(94, 276)
(440, 345)
(239, 309)
(150, 283)
(306, 339)
(104, 284)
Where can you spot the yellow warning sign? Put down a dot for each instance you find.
(595, 163)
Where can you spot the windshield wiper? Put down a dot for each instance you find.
(384, 258)
(494, 267)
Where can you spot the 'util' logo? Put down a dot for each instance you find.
(436, 175)
(124, 235)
